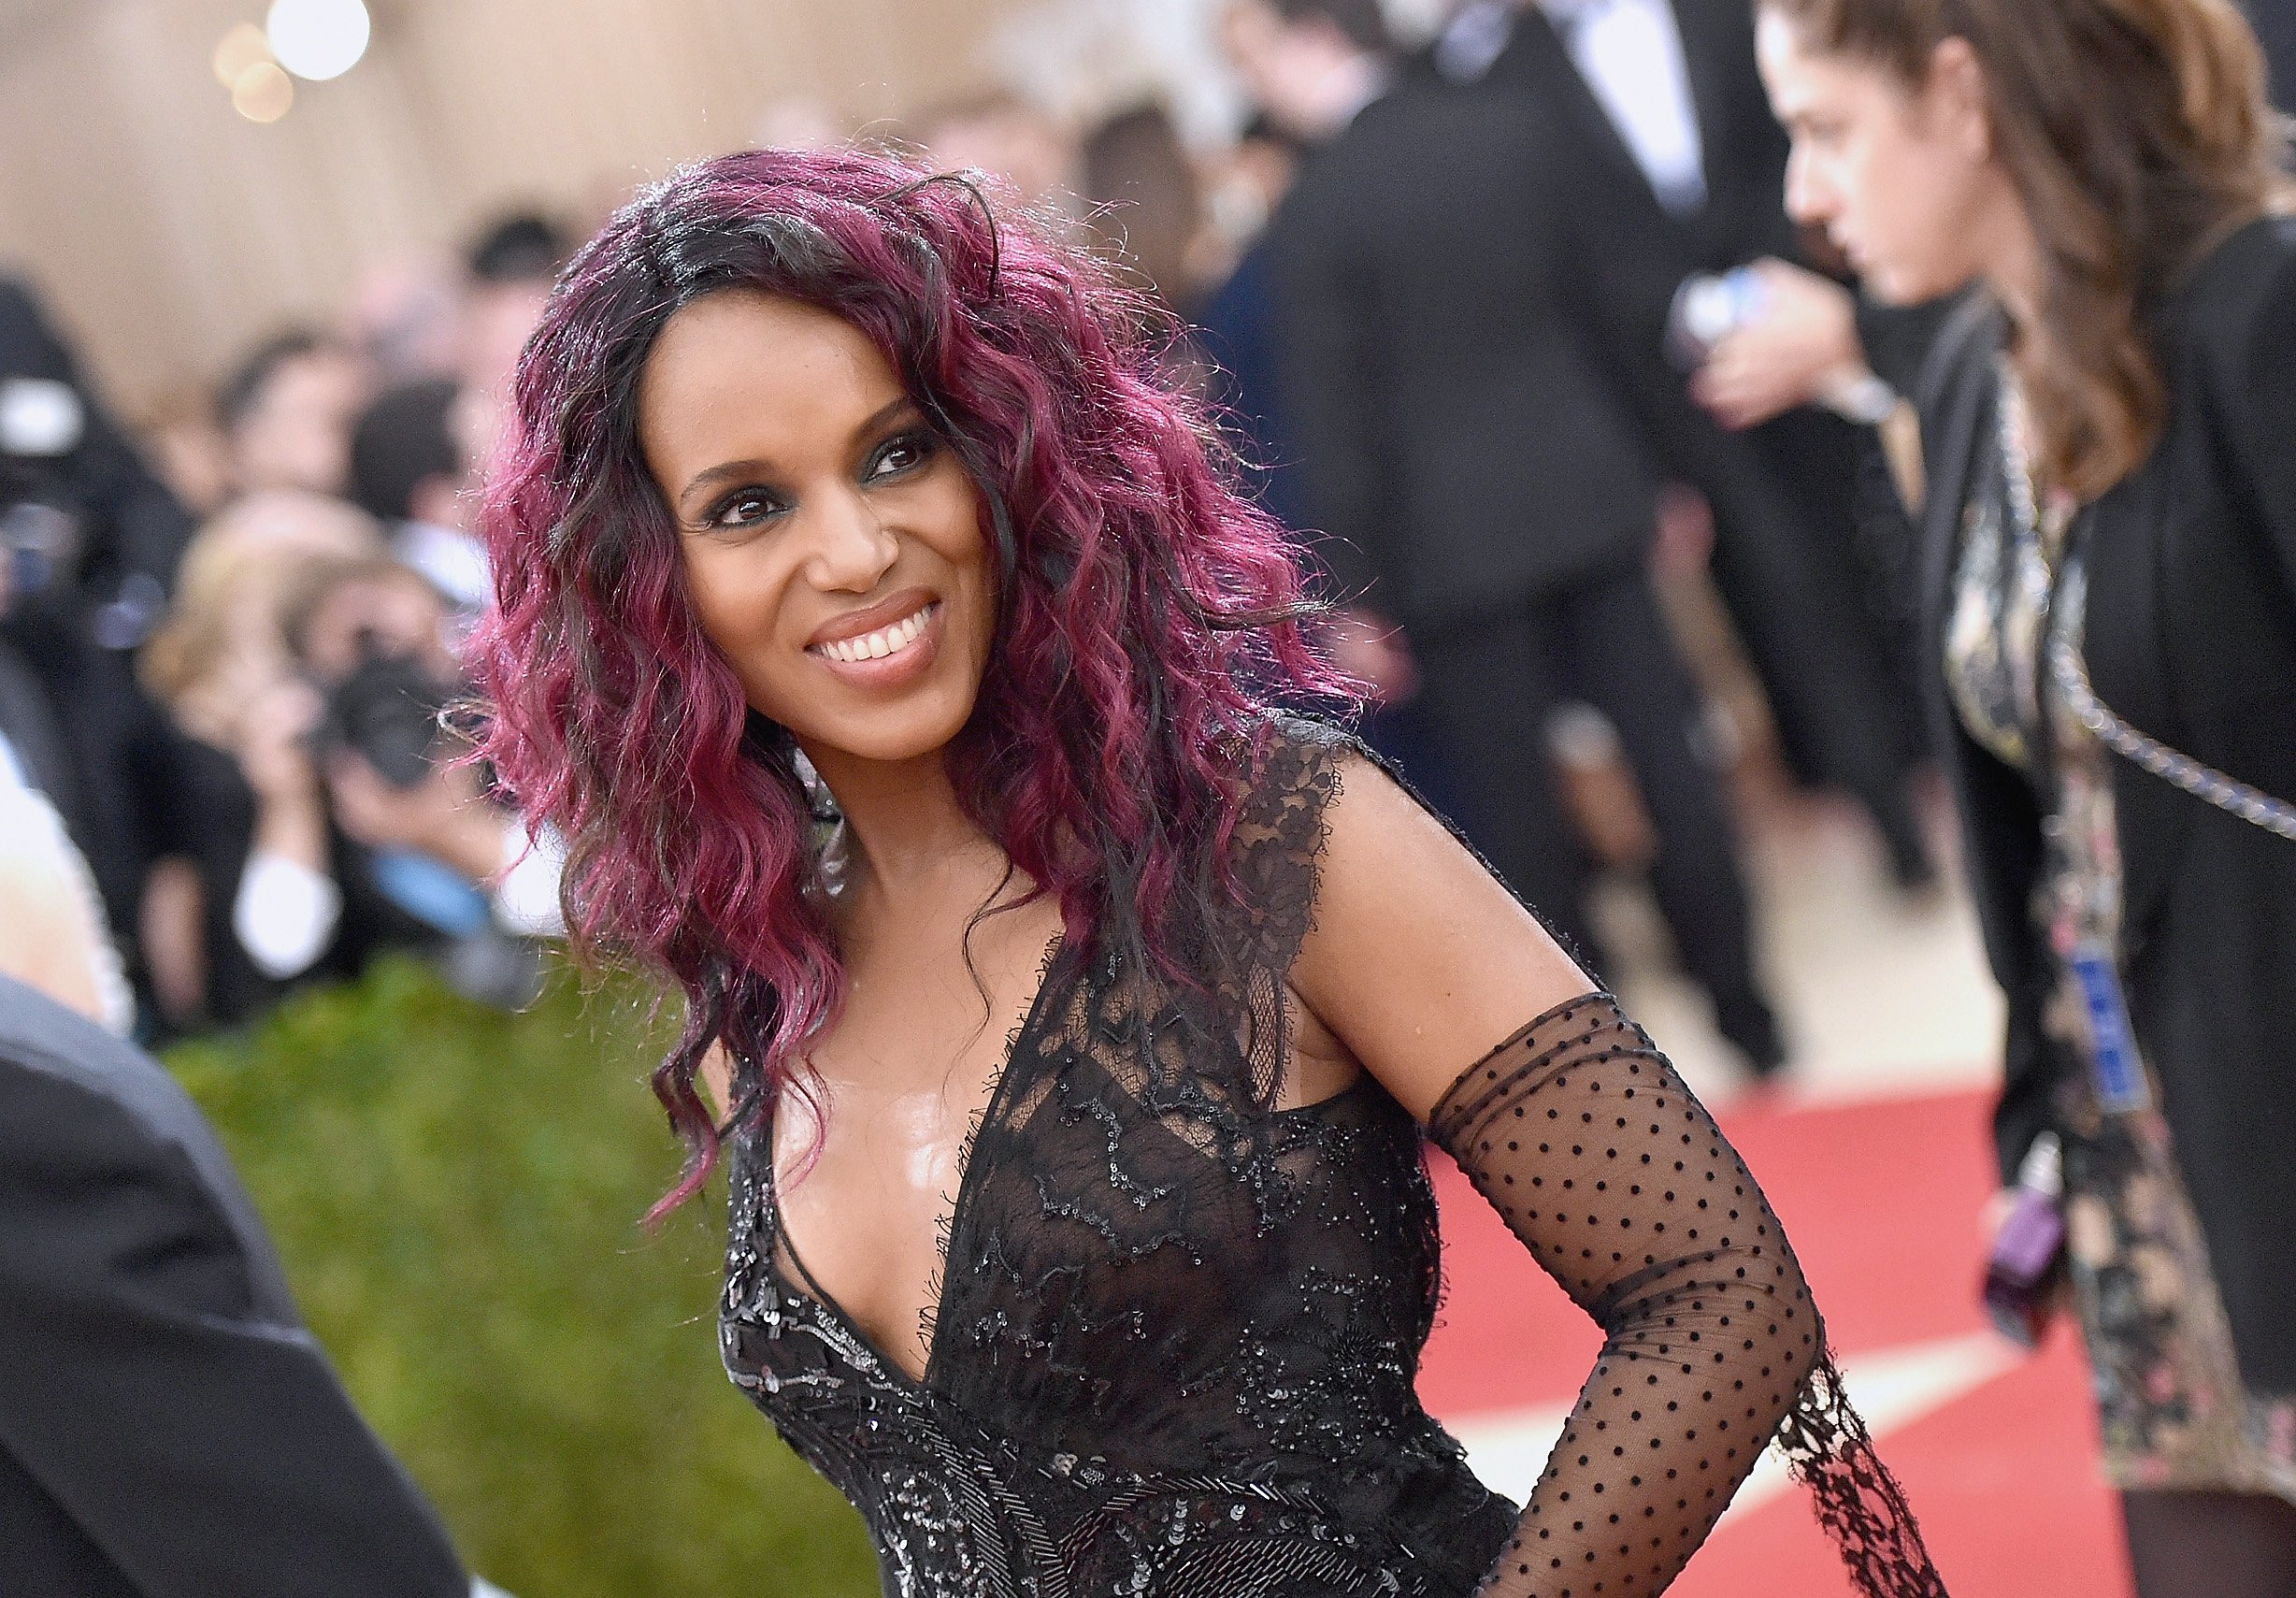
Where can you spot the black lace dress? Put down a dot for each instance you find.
(1177, 1332)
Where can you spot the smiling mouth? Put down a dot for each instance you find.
(882, 643)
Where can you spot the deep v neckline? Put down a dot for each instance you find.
(809, 1286)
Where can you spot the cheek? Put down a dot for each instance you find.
(733, 600)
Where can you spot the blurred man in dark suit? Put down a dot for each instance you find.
(1659, 104)
(1472, 413)
(168, 1427)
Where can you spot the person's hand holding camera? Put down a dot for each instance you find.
(1800, 349)
(444, 815)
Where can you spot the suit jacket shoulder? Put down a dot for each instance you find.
(164, 1417)
(128, 1099)
(2237, 312)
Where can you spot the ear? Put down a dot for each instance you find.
(1957, 100)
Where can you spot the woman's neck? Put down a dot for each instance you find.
(905, 828)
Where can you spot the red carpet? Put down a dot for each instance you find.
(1882, 1201)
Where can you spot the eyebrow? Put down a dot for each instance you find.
(727, 471)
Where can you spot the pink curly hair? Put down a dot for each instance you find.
(1151, 620)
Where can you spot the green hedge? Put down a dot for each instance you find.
(456, 1193)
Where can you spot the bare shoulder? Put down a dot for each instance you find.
(1417, 958)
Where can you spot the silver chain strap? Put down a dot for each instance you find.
(2202, 782)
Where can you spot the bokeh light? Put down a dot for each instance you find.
(318, 39)
(262, 92)
(239, 49)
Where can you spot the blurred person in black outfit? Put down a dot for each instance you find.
(168, 1427)
(91, 542)
(408, 471)
(1659, 102)
(1468, 400)
(1235, 322)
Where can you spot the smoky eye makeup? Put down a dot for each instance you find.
(745, 507)
(913, 446)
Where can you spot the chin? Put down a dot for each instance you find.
(890, 734)
(1900, 284)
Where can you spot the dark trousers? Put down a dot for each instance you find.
(1488, 685)
(2211, 1544)
(1817, 630)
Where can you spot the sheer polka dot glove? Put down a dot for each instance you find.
(1581, 1135)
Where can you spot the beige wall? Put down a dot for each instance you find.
(167, 233)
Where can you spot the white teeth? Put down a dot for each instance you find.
(877, 646)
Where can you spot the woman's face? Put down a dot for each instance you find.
(832, 542)
(1900, 178)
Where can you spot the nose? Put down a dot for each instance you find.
(1806, 201)
(852, 547)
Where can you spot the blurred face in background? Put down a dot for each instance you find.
(377, 608)
(831, 542)
(1008, 139)
(1900, 176)
(221, 646)
(296, 434)
(1307, 76)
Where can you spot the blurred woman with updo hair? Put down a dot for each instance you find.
(2109, 429)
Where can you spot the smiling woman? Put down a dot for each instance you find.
(1078, 1230)
(805, 482)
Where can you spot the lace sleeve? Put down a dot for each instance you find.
(1581, 1135)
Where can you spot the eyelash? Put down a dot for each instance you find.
(920, 443)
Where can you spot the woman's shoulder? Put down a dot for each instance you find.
(1287, 771)
(2241, 293)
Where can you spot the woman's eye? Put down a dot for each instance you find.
(904, 453)
(743, 509)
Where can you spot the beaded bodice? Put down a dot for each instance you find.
(1177, 1329)
(1178, 1332)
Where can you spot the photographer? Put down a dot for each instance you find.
(88, 545)
(373, 641)
(240, 784)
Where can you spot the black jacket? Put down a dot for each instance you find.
(131, 528)
(1460, 442)
(168, 1427)
(2191, 637)
(1743, 149)
(1804, 600)
(1481, 404)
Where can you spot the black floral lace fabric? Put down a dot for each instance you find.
(1178, 1331)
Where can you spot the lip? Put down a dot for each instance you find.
(859, 624)
(880, 673)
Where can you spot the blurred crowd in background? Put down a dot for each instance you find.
(1435, 287)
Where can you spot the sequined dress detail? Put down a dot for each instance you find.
(1178, 1330)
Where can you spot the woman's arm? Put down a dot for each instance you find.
(1614, 1177)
